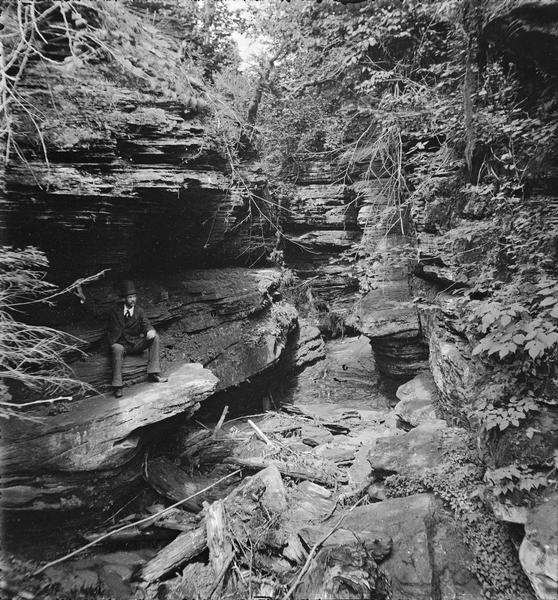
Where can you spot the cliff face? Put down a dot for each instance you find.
(119, 167)
(471, 242)
(124, 173)
(129, 184)
(320, 223)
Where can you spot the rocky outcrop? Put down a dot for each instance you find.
(539, 549)
(125, 175)
(101, 432)
(345, 376)
(227, 319)
(526, 29)
(386, 313)
(45, 459)
(320, 224)
(429, 558)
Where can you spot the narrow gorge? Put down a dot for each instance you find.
(341, 218)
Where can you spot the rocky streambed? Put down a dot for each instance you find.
(347, 492)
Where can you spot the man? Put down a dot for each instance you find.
(130, 332)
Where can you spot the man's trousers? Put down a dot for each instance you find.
(120, 350)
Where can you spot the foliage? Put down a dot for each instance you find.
(501, 414)
(205, 30)
(372, 75)
(516, 337)
(458, 480)
(515, 482)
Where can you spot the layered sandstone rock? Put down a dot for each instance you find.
(227, 319)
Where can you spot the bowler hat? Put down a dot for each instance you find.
(127, 288)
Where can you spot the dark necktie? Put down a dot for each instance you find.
(127, 315)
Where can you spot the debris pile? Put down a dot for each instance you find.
(256, 506)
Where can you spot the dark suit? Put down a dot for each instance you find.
(127, 336)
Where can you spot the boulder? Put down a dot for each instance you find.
(417, 400)
(101, 432)
(314, 436)
(428, 558)
(538, 552)
(414, 452)
(335, 452)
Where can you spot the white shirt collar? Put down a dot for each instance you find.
(130, 310)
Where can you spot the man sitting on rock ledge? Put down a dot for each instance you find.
(130, 332)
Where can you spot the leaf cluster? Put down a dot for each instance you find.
(515, 480)
(525, 331)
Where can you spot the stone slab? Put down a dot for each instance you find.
(101, 432)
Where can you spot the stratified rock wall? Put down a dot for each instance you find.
(321, 230)
(122, 174)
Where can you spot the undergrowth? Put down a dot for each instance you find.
(458, 481)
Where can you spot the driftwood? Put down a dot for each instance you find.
(311, 554)
(171, 481)
(335, 428)
(221, 550)
(319, 472)
(176, 520)
(123, 528)
(181, 550)
(213, 532)
(218, 541)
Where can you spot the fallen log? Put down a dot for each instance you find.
(342, 572)
(221, 550)
(123, 528)
(205, 447)
(318, 472)
(335, 428)
(241, 503)
(185, 547)
(218, 541)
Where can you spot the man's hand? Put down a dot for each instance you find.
(150, 334)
